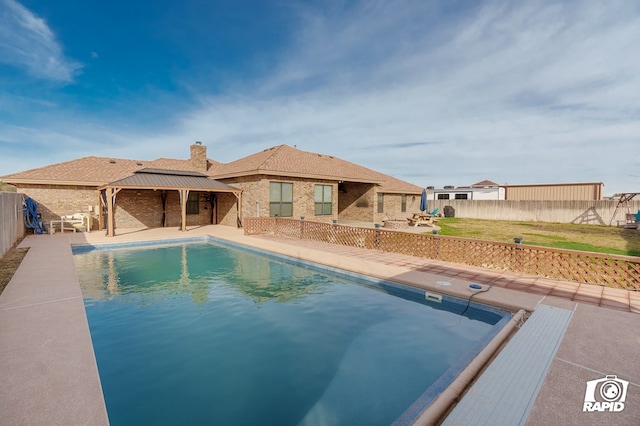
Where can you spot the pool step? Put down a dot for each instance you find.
(504, 394)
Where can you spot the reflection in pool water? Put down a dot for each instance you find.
(207, 334)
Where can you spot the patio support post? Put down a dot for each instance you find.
(100, 211)
(238, 208)
(110, 194)
(163, 200)
(184, 194)
(214, 206)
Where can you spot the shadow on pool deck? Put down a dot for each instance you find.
(49, 374)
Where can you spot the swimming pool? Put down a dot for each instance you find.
(211, 333)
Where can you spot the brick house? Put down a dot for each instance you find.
(281, 180)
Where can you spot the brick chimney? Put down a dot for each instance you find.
(199, 156)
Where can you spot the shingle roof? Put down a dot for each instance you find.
(289, 161)
(94, 171)
(484, 183)
(83, 171)
(281, 160)
(173, 164)
(169, 172)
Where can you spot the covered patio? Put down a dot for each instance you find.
(162, 182)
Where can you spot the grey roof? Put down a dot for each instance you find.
(171, 179)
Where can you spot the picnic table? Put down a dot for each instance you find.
(421, 219)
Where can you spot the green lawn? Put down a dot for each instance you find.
(595, 238)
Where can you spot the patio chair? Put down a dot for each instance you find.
(76, 222)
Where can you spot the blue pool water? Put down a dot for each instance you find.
(207, 333)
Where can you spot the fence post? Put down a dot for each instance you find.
(519, 254)
(333, 237)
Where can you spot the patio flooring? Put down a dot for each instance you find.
(48, 369)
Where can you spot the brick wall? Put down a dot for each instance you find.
(357, 202)
(143, 208)
(392, 207)
(254, 189)
(227, 209)
(58, 200)
(133, 208)
(354, 201)
(360, 202)
(199, 156)
(304, 200)
(255, 198)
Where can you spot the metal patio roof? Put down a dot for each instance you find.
(171, 179)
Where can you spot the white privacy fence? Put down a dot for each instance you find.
(598, 212)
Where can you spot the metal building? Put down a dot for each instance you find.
(555, 191)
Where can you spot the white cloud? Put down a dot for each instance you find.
(27, 42)
(517, 92)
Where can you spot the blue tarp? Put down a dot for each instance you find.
(32, 218)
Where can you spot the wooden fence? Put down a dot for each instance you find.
(579, 266)
(11, 220)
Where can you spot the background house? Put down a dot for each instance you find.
(487, 190)
(286, 181)
(484, 190)
(281, 180)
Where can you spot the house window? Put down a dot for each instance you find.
(322, 199)
(380, 203)
(403, 203)
(192, 203)
(462, 196)
(280, 199)
(443, 196)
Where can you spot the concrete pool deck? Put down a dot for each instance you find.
(48, 369)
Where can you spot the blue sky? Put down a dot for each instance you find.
(443, 92)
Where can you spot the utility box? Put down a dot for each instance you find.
(449, 211)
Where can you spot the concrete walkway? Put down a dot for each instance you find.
(49, 375)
